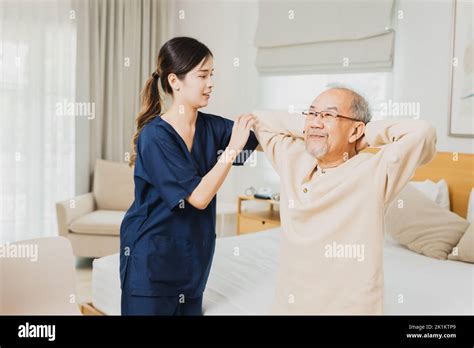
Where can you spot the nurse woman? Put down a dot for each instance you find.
(181, 159)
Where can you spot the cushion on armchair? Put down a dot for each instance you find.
(106, 222)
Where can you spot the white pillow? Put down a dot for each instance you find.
(443, 195)
(436, 192)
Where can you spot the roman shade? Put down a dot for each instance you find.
(324, 36)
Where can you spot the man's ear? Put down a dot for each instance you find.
(357, 132)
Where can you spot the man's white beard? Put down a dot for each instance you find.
(317, 152)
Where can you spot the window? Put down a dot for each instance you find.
(298, 91)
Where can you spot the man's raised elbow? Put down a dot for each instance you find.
(428, 137)
(428, 131)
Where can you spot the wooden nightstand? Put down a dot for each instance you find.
(256, 220)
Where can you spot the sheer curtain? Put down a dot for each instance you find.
(37, 114)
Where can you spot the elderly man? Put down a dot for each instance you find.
(333, 199)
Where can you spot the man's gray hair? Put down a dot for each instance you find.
(359, 105)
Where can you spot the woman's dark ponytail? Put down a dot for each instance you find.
(151, 108)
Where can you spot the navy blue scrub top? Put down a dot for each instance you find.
(166, 244)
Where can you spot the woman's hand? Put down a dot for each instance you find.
(241, 131)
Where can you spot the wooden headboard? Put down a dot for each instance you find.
(458, 171)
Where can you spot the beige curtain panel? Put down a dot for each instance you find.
(117, 47)
(324, 36)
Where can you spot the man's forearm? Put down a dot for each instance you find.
(280, 122)
(277, 131)
(379, 133)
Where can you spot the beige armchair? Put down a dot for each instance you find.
(92, 221)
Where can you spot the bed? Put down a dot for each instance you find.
(242, 278)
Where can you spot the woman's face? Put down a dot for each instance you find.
(196, 87)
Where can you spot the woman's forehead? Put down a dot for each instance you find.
(207, 64)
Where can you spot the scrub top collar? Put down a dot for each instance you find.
(194, 153)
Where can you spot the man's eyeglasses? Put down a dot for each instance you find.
(326, 115)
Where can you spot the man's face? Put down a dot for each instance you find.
(329, 138)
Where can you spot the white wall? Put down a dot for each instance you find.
(422, 65)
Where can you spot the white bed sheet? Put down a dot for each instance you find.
(242, 280)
